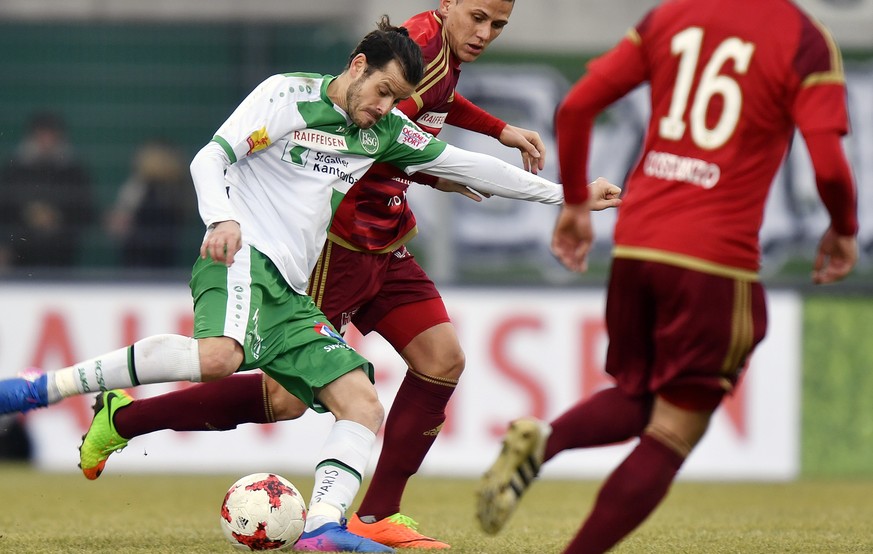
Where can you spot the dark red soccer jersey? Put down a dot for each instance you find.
(727, 92)
(375, 216)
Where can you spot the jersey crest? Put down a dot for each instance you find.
(369, 141)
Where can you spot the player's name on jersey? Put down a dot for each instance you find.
(663, 165)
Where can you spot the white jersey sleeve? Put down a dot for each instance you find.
(207, 172)
(487, 174)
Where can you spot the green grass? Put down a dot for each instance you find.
(49, 512)
(837, 387)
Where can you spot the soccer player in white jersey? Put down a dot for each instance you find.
(267, 185)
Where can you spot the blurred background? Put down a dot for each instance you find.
(103, 103)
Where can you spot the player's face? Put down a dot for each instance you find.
(471, 25)
(372, 95)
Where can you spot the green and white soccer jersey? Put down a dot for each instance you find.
(294, 155)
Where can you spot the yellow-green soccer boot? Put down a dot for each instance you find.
(102, 439)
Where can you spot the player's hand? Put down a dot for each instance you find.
(835, 258)
(573, 236)
(222, 242)
(445, 185)
(533, 150)
(602, 194)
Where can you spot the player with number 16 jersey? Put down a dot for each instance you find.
(730, 80)
(725, 101)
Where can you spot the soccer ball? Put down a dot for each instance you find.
(262, 511)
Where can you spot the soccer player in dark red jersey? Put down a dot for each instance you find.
(367, 277)
(730, 80)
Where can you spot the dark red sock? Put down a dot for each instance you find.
(607, 417)
(214, 406)
(628, 496)
(418, 411)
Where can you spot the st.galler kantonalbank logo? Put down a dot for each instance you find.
(369, 141)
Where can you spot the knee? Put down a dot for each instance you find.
(353, 397)
(676, 427)
(219, 357)
(455, 362)
(285, 405)
(373, 414)
(449, 364)
(365, 409)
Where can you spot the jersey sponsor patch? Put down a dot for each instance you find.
(319, 140)
(258, 141)
(327, 331)
(432, 120)
(413, 138)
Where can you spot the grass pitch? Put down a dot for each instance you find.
(50, 512)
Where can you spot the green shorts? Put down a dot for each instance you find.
(281, 331)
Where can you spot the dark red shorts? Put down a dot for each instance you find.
(680, 333)
(389, 293)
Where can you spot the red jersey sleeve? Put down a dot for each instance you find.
(609, 77)
(834, 181)
(424, 179)
(820, 113)
(820, 102)
(409, 108)
(467, 115)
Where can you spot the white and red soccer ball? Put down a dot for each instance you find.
(262, 511)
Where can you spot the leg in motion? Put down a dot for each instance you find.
(517, 465)
(353, 401)
(155, 359)
(642, 480)
(416, 416)
(607, 417)
(215, 406)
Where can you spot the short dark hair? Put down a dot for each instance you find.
(388, 43)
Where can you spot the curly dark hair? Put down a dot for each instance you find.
(387, 43)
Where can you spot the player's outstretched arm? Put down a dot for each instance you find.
(573, 236)
(533, 150)
(489, 175)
